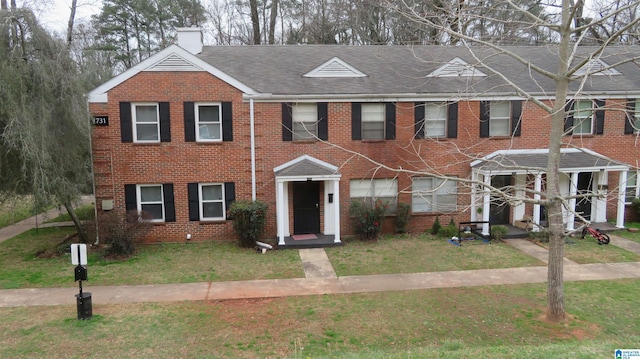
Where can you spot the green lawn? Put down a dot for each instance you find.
(15, 209)
(480, 322)
(584, 251)
(413, 254)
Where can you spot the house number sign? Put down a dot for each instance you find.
(101, 120)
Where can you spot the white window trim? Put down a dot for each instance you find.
(311, 127)
(495, 118)
(636, 186)
(427, 119)
(577, 119)
(433, 195)
(201, 202)
(139, 202)
(197, 115)
(134, 121)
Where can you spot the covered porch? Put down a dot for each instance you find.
(307, 203)
(521, 174)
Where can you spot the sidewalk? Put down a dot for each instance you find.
(320, 278)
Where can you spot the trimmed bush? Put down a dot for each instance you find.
(498, 232)
(249, 219)
(403, 213)
(635, 203)
(435, 229)
(367, 220)
(451, 230)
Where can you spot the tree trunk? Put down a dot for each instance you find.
(255, 21)
(272, 21)
(72, 17)
(76, 221)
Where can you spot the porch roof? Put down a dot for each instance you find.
(306, 166)
(535, 161)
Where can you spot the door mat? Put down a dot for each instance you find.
(302, 237)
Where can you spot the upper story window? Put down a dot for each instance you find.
(436, 120)
(209, 122)
(636, 116)
(431, 194)
(632, 125)
(373, 121)
(146, 122)
(371, 190)
(500, 118)
(305, 121)
(585, 117)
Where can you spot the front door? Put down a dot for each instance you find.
(585, 184)
(499, 210)
(306, 207)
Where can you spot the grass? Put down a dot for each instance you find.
(584, 251)
(15, 209)
(84, 213)
(413, 254)
(153, 264)
(479, 322)
(630, 235)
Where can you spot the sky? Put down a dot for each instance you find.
(57, 16)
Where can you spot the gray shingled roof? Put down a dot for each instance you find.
(390, 70)
(538, 161)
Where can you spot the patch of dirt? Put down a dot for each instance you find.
(59, 249)
(562, 330)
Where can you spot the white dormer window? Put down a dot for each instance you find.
(335, 68)
(596, 67)
(457, 68)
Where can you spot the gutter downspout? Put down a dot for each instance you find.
(253, 150)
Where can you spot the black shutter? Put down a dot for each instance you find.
(599, 113)
(229, 196)
(227, 121)
(418, 115)
(516, 117)
(323, 121)
(189, 122)
(452, 120)
(485, 115)
(126, 131)
(390, 121)
(356, 121)
(130, 197)
(568, 121)
(194, 201)
(287, 122)
(169, 207)
(165, 122)
(630, 118)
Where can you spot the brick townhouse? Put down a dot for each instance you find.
(308, 129)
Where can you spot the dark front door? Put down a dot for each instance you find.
(499, 210)
(306, 207)
(585, 184)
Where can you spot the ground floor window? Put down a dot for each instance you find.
(371, 190)
(151, 202)
(431, 194)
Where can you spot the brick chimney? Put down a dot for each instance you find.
(190, 39)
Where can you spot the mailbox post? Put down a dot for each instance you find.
(83, 300)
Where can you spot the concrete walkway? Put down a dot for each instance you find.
(320, 278)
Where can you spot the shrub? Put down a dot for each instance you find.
(498, 231)
(435, 229)
(367, 220)
(403, 213)
(249, 219)
(118, 234)
(635, 203)
(451, 230)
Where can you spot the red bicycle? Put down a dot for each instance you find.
(602, 238)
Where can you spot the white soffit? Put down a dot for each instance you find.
(335, 68)
(457, 67)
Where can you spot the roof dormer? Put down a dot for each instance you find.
(596, 67)
(457, 67)
(335, 68)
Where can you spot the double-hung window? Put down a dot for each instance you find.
(431, 194)
(151, 202)
(435, 120)
(305, 118)
(212, 204)
(583, 118)
(631, 190)
(369, 191)
(146, 122)
(635, 118)
(373, 119)
(500, 118)
(208, 122)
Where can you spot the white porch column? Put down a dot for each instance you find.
(280, 213)
(600, 203)
(486, 204)
(336, 210)
(622, 193)
(573, 190)
(474, 204)
(519, 209)
(537, 187)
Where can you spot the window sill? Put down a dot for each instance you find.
(147, 143)
(214, 221)
(428, 214)
(209, 143)
(374, 141)
(303, 141)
